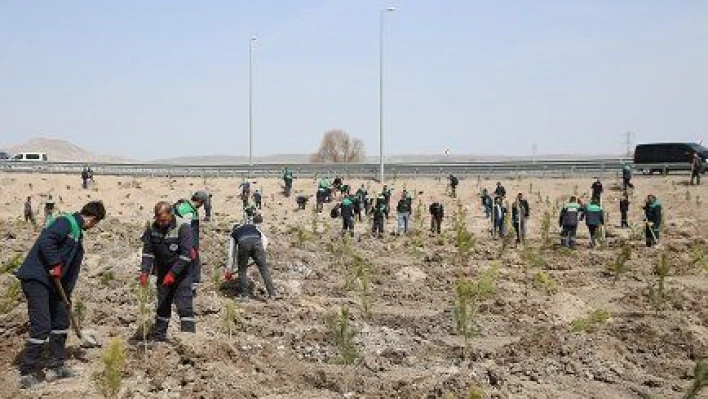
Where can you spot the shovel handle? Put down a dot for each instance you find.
(65, 299)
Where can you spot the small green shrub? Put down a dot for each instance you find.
(465, 310)
(657, 290)
(144, 296)
(546, 240)
(545, 282)
(107, 277)
(12, 265)
(592, 322)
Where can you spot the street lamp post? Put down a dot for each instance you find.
(381, 84)
(250, 105)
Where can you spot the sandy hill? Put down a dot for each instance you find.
(62, 151)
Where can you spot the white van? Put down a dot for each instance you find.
(31, 156)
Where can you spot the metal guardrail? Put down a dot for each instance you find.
(539, 168)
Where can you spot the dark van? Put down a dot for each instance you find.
(666, 157)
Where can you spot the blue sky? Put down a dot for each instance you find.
(156, 79)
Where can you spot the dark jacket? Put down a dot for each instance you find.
(167, 250)
(596, 189)
(437, 210)
(500, 191)
(593, 215)
(626, 172)
(245, 232)
(347, 208)
(57, 244)
(404, 206)
(524, 204)
(499, 212)
(569, 215)
(652, 211)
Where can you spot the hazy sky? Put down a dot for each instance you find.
(155, 79)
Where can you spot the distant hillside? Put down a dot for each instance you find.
(61, 151)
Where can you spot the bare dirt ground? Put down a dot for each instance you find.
(408, 345)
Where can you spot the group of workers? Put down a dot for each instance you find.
(171, 250)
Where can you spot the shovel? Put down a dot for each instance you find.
(87, 339)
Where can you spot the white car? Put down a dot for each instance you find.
(30, 157)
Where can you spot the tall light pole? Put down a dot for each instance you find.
(381, 84)
(250, 105)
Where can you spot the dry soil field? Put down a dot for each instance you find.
(547, 323)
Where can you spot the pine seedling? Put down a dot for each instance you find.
(657, 290)
(109, 381)
(700, 380)
(698, 256)
(546, 230)
(418, 215)
(465, 241)
(144, 296)
(339, 325)
(687, 196)
(11, 297)
(546, 283)
(465, 309)
(362, 270)
(698, 201)
(619, 265)
(80, 311)
(592, 322)
(485, 284)
(216, 280)
(229, 318)
(314, 221)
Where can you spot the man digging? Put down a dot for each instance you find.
(56, 255)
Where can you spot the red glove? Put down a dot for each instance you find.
(194, 254)
(56, 271)
(228, 275)
(144, 277)
(169, 279)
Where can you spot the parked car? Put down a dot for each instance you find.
(4, 156)
(666, 157)
(31, 156)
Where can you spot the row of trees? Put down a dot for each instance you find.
(338, 147)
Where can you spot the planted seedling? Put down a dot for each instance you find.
(619, 266)
(109, 380)
(344, 334)
(230, 318)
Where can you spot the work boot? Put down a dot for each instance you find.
(60, 373)
(188, 325)
(159, 331)
(30, 382)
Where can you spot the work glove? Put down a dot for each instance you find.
(169, 279)
(228, 276)
(650, 224)
(144, 278)
(56, 271)
(194, 254)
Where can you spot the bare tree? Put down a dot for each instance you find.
(337, 146)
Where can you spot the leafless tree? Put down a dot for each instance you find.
(337, 146)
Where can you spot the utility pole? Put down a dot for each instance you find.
(381, 90)
(250, 106)
(628, 143)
